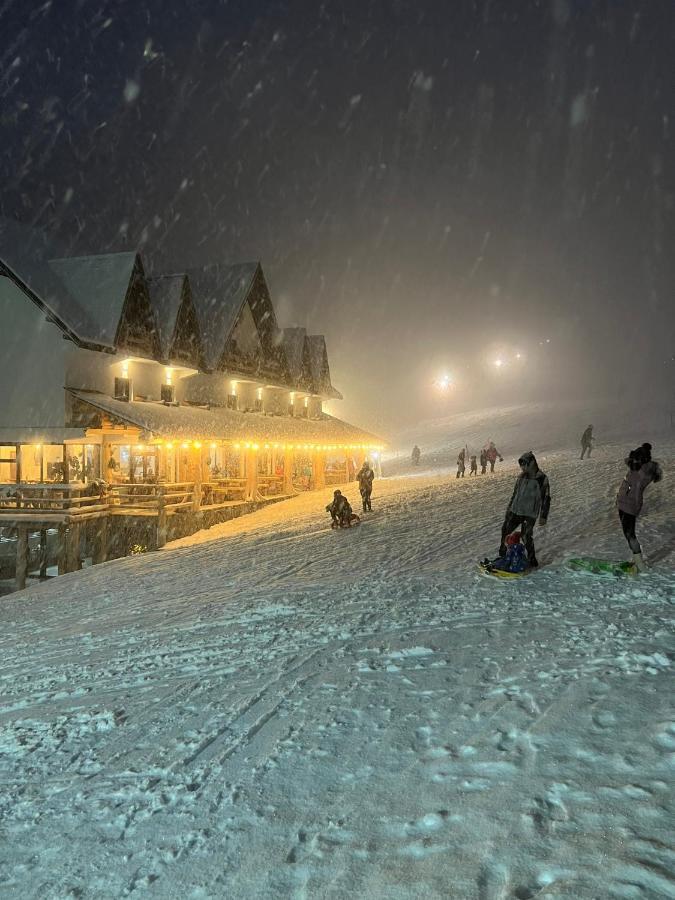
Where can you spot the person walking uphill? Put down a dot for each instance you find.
(365, 477)
(415, 456)
(483, 461)
(492, 453)
(531, 498)
(587, 441)
(642, 471)
(461, 463)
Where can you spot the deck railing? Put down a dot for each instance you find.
(81, 500)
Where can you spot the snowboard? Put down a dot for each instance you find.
(500, 573)
(602, 566)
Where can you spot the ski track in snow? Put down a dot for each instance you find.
(273, 709)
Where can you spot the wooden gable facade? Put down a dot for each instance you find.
(137, 332)
(252, 346)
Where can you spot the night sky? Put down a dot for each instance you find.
(429, 184)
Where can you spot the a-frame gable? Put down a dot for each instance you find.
(137, 331)
(186, 343)
(253, 342)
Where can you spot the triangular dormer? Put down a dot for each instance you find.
(186, 344)
(137, 331)
(252, 345)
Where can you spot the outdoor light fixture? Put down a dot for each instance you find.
(125, 368)
(169, 375)
(233, 388)
(499, 363)
(259, 393)
(444, 382)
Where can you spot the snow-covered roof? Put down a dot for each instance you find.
(293, 341)
(219, 292)
(166, 294)
(199, 423)
(24, 253)
(100, 284)
(318, 362)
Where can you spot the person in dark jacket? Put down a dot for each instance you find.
(642, 471)
(531, 499)
(483, 461)
(474, 466)
(461, 463)
(365, 477)
(587, 441)
(492, 453)
(416, 453)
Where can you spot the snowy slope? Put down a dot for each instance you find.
(272, 709)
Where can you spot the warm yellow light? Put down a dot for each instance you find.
(306, 401)
(125, 368)
(292, 396)
(169, 446)
(259, 393)
(213, 446)
(247, 445)
(37, 446)
(185, 445)
(197, 445)
(267, 446)
(233, 387)
(168, 374)
(255, 446)
(237, 446)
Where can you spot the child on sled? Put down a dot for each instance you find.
(515, 558)
(341, 512)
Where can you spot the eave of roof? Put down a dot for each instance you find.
(198, 423)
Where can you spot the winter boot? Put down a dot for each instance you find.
(639, 562)
(532, 562)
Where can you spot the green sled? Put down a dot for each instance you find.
(602, 566)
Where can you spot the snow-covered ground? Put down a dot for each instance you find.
(272, 709)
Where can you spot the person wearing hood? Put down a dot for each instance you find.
(492, 453)
(365, 477)
(642, 471)
(340, 510)
(531, 499)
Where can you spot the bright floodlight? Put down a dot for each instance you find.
(443, 383)
(499, 363)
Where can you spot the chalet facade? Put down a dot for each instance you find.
(178, 390)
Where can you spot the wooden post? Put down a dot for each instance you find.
(319, 469)
(288, 471)
(197, 489)
(251, 474)
(73, 547)
(61, 556)
(21, 557)
(162, 522)
(101, 540)
(43, 553)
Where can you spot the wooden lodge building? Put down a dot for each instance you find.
(137, 407)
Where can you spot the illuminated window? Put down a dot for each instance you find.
(8, 465)
(123, 389)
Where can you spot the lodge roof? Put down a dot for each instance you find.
(293, 343)
(166, 296)
(100, 284)
(24, 255)
(219, 292)
(85, 297)
(199, 423)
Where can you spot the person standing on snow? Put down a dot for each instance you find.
(483, 461)
(416, 453)
(461, 463)
(474, 466)
(587, 441)
(642, 470)
(365, 477)
(492, 453)
(531, 498)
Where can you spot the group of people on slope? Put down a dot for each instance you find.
(531, 500)
(341, 512)
(489, 454)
